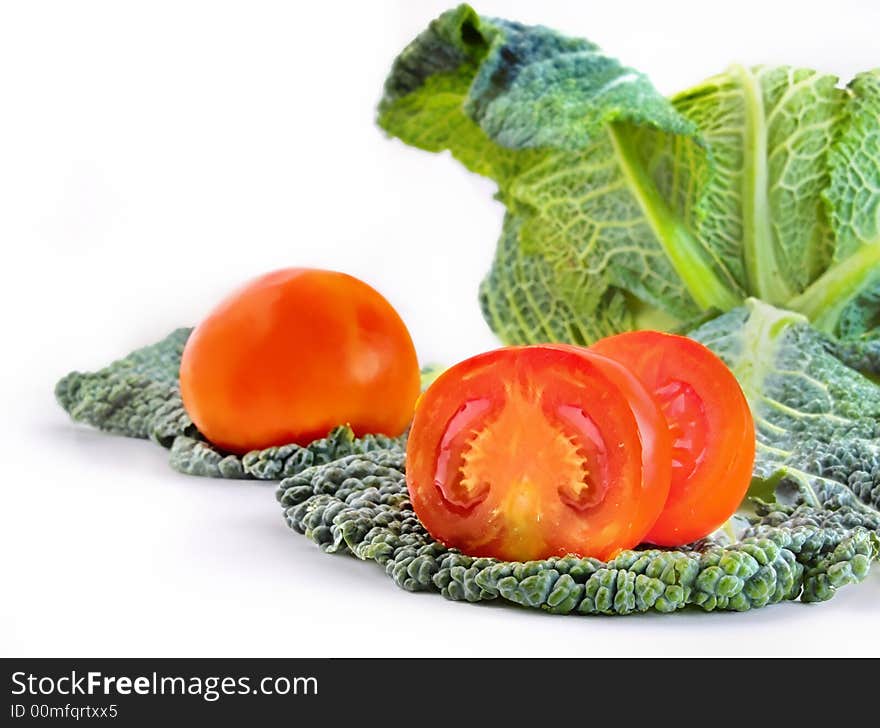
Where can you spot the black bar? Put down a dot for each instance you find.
(385, 692)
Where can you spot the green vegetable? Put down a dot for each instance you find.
(626, 209)
(360, 505)
(817, 420)
(429, 374)
(138, 396)
(845, 299)
(863, 355)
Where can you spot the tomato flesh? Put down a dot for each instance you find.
(295, 353)
(710, 424)
(686, 416)
(530, 452)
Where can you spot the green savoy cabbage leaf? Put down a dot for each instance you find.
(817, 420)
(139, 396)
(595, 168)
(627, 209)
(845, 300)
(359, 505)
(818, 445)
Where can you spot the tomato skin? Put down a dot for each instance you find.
(711, 423)
(529, 452)
(295, 353)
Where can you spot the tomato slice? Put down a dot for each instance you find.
(528, 452)
(713, 434)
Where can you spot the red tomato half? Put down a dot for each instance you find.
(295, 353)
(713, 434)
(528, 452)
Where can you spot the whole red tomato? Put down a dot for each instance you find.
(295, 353)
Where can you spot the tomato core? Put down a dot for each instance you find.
(564, 443)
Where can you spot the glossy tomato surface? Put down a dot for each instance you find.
(295, 353)
(529, 452)
(713, 434)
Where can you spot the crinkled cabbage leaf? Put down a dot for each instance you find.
(818, 427)
(627, 209)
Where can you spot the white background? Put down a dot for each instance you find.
(154, 155)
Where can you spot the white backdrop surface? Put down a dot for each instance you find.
(153, 156)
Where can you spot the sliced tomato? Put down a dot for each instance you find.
(529, 452)
(713, 434)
